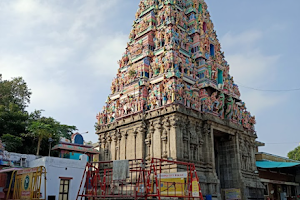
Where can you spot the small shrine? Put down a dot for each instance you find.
(75, 149)
(5, 160)
(174, 98)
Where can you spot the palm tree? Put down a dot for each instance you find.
(40, 130)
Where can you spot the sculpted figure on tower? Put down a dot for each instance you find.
(174, 57)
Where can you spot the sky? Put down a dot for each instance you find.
(67, 52)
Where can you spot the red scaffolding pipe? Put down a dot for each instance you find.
(144, 180)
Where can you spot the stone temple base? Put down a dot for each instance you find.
(223, 152)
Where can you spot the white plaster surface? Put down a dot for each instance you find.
(60, 167)
(16, 158)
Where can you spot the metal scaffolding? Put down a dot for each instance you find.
(155, 179)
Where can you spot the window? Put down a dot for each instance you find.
(202, 75)
(204, 26)
(192, 16)
(200, 8)
(202, 61)
(51, 197)
(293, 191)
(220, 76)
(64, 189)
(212, 50)
(266, 189)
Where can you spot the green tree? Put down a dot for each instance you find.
(15, 92)
(14, 98)
(294, 154)
(13, 143)
(12, 120)
(18, 127)
(43, 128)
(40, 130)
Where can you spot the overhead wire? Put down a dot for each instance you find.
(268, 90)
(283, 143)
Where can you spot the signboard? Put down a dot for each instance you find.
(26, 181)
(27, 171)
(26, 177)
(232, 194)
(195, 187)
(172, 183)
(172, 175)
(172, 186)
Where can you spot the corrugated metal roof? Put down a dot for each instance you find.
(74, 148)
(10, 169)
(273, 164)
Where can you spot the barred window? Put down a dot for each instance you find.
(64, 189)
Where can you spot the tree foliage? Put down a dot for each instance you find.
(294, 154)
(13, 143)
(25, 132)
(14, 92)
(43, 128)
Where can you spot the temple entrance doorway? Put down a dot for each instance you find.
(226, 162)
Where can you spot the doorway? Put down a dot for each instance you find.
(226, 164)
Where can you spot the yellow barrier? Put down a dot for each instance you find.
(27, 184)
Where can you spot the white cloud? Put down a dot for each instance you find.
(241, 41)
(105, 52)
(46, 40)
(252, 68)
(257, 101)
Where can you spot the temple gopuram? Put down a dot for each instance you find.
(173, 98)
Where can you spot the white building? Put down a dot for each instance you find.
(16, 159)
(63, 176)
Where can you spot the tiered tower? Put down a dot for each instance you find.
(173, 98)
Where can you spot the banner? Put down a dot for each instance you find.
(232, 194)
(195, 187)
(172, 183)
(26, 181)
(172, 175)
(26, 176)
(172, 186)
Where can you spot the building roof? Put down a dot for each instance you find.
(75, 148)
(74, 144)
(272, 164)
(10, 169)
(259, 144)
(261, 156)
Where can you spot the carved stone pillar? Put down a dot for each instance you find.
(125, 136)
(119, 145)
(253, 159)
(175, 135)
(102, 146)
(115, 148)
(185, 139)
(148, 142)
(139, 135)
(164, 141)
(122, 145)
(200, 141)
(108, 149)
(135, 133)
(206, 148)
(156, 140)
(130, 144)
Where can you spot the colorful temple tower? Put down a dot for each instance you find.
(173, 98)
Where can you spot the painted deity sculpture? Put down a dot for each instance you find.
(173, 56)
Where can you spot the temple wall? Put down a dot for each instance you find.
(183, 135)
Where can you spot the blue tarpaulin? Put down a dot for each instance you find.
(272, 164)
